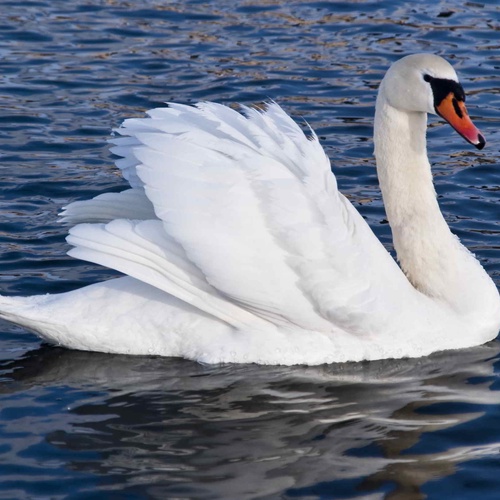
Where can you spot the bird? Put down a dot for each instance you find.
(236, 245)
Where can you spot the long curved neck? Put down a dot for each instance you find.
(430, 255)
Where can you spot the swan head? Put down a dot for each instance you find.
(428, 83)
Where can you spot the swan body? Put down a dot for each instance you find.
(238, 247)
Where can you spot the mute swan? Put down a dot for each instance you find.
(238, 247)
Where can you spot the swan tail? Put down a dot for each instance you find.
(10, 308)
(86, 319)
(29, 312)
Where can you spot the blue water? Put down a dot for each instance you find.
(85, 425)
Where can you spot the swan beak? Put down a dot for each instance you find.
(455, 113)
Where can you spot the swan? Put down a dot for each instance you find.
(237, 246)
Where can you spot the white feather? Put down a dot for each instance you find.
(142, 250)
(129, 204)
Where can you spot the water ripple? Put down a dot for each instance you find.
(85, 425)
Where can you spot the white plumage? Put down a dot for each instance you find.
(239, 248)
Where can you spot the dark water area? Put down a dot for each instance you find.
(86, 425)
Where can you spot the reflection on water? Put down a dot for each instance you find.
(86, 425)
(176, 429)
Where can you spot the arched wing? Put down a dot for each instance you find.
(252, 202)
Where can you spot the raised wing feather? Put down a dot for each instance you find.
(129, 204)
(253, 204)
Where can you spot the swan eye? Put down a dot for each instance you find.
(427, 77)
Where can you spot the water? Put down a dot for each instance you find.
(85, 425)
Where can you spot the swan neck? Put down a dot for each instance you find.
(403, 168)
(433, 259)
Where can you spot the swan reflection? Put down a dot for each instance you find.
(174, 426)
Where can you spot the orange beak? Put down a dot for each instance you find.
(455, 113)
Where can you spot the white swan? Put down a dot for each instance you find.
(239, 248)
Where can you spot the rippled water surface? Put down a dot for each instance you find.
(84, 425)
